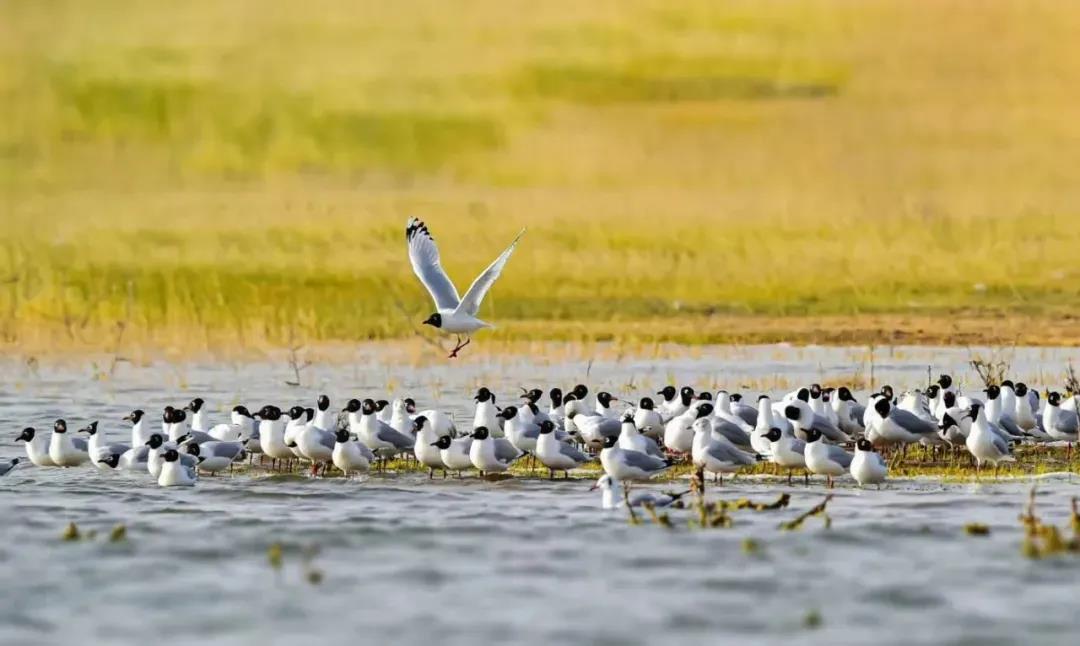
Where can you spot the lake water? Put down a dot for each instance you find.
(406, 560)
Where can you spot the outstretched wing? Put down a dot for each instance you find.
(470, 304)
(424, 256)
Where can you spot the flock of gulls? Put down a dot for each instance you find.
(818, 431)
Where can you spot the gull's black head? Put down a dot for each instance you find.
(418, 423)
(309, 414)
(947, 422)
(443, 442)
(605, 398)
(410, 405)
(270, 413)
(932, 391)
(533, 395)
(27, 435)
(1021, 389)
(171, 455)
(949, 398)
(435, 320)
(686, 395)
(342, 436)
(380, 405)
(368, 407)
(992, 392)
(508, 413)
(864, 445)
(1054, 399)
(815, 391)
(155, 441)
(480, 433)
(773, 435)
(296, 412)
(975, 408)
(547, 426)
(177, 416)
(484, 395)
(1007, 384)
(736, 397)
(882, 406)
(323, 402)
(193, 449)
(196, 404)
(242, 411)
(705, 396)
(704, 410)
(803, 394)
(556, 397)
(581, 391)
(352, 406)
(791, 412)
(844, 394)
(134, 416)
(90, 428)
(945, 381)
(645, 404)
(667, 392)
(610, 441)
(887, 391)
(59, 426)
(112, 460)
(813, 435)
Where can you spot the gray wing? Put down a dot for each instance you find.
(733, 433)
(388, 434)
(651, 448)
(141, 455)
(747, 413)
(828, 429)
(1033, 397)
(118, 448)
(609, 427)
(424, 256)
(911, 422)
(1000, 444)
(798, 446)
(199, 437)
(505, 451)
(840, 456)
(470, 303)
(80, 444)
(1066, 422)
(225, 449)
(365, 451)
(572, 452)
(725, 453)
(857, 412)
(188, 460)
(7, 466)
(326, 438)
(532, 431)
(639, 460)
(1009, 425)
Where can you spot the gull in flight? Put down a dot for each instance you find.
(454, 314)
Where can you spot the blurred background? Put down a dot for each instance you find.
(207, 174)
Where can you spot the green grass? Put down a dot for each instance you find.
(240, 173)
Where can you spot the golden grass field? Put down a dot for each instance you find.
(209, 174)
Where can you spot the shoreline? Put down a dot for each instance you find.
(654, 337)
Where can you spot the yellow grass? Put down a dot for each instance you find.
(233, 173)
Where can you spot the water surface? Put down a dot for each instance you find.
(407, 560)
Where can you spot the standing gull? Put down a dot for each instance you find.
(454, 315)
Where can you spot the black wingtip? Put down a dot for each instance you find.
(414, 226)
